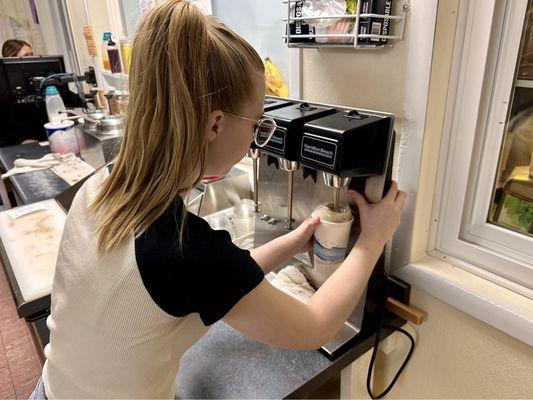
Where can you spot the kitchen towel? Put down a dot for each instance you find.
(23, 165)
(293, 282)
(67, 166)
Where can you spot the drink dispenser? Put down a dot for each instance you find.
(325, 149)
(270, 103)
(273, 103)
(348, 144)
(285, 143)
(344, 146)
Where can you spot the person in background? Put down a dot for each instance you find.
(138, 278)
(16, 48)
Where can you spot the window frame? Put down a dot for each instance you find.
(472, 136)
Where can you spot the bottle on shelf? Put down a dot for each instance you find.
(117, 98)
(122, 102)
(114, 56)
(111, 101)
(105, 57)
(125, 50)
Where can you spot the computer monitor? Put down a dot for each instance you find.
(17, 74)
(22, 109)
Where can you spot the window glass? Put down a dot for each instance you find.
(512, 202)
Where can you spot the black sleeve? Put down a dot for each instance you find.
(207, 275)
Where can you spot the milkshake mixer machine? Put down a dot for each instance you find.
(317, 152)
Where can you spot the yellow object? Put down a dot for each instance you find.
(89, 40)
(274, 82)
(125, 49)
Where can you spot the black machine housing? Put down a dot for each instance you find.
(290, 119)
(273, 103)
(366, 136)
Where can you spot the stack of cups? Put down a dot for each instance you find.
(330, 241)
(244, 218)
(62, 137)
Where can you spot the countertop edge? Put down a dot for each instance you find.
(344, 360)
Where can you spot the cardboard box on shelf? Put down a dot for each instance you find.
(375, 26)
(300, 27)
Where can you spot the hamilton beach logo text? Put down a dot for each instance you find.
(318, 151)
(276, 139)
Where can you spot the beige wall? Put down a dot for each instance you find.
(457, 356)
(100, 21)
(372, 79)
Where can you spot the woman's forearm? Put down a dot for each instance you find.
(338, 296)
(272, 254)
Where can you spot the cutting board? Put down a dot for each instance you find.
(31, 236)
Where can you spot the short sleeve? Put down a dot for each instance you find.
(207, 275)
(220, 275)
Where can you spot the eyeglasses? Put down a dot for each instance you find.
(264, 128)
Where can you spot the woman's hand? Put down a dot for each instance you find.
(301, 239)
(274, 253)
(379, 221)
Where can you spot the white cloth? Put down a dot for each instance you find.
(293, 282)
(67, 166)
(23, 165)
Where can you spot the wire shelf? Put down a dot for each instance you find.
(354, 39)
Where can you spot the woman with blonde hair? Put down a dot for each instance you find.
(138, 279)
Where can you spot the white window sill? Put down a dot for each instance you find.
(495, 305)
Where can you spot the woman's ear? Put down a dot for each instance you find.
(215, 124)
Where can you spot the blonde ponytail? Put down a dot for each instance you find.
(183, 65)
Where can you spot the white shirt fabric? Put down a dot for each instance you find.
(108, 338)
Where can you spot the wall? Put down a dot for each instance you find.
(373, 79)
(394, 80)
(100, 22)
(51, 37)
(17, 22)
(260, 23)
(457, 356)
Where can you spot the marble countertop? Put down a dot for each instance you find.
(227, 364)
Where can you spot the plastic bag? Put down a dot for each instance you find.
(316, 8)
(330, 26)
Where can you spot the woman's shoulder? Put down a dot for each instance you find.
(165, 230)
(77, 199)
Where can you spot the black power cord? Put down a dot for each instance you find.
(382, 325)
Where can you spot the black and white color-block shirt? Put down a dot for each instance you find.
(121, 320)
